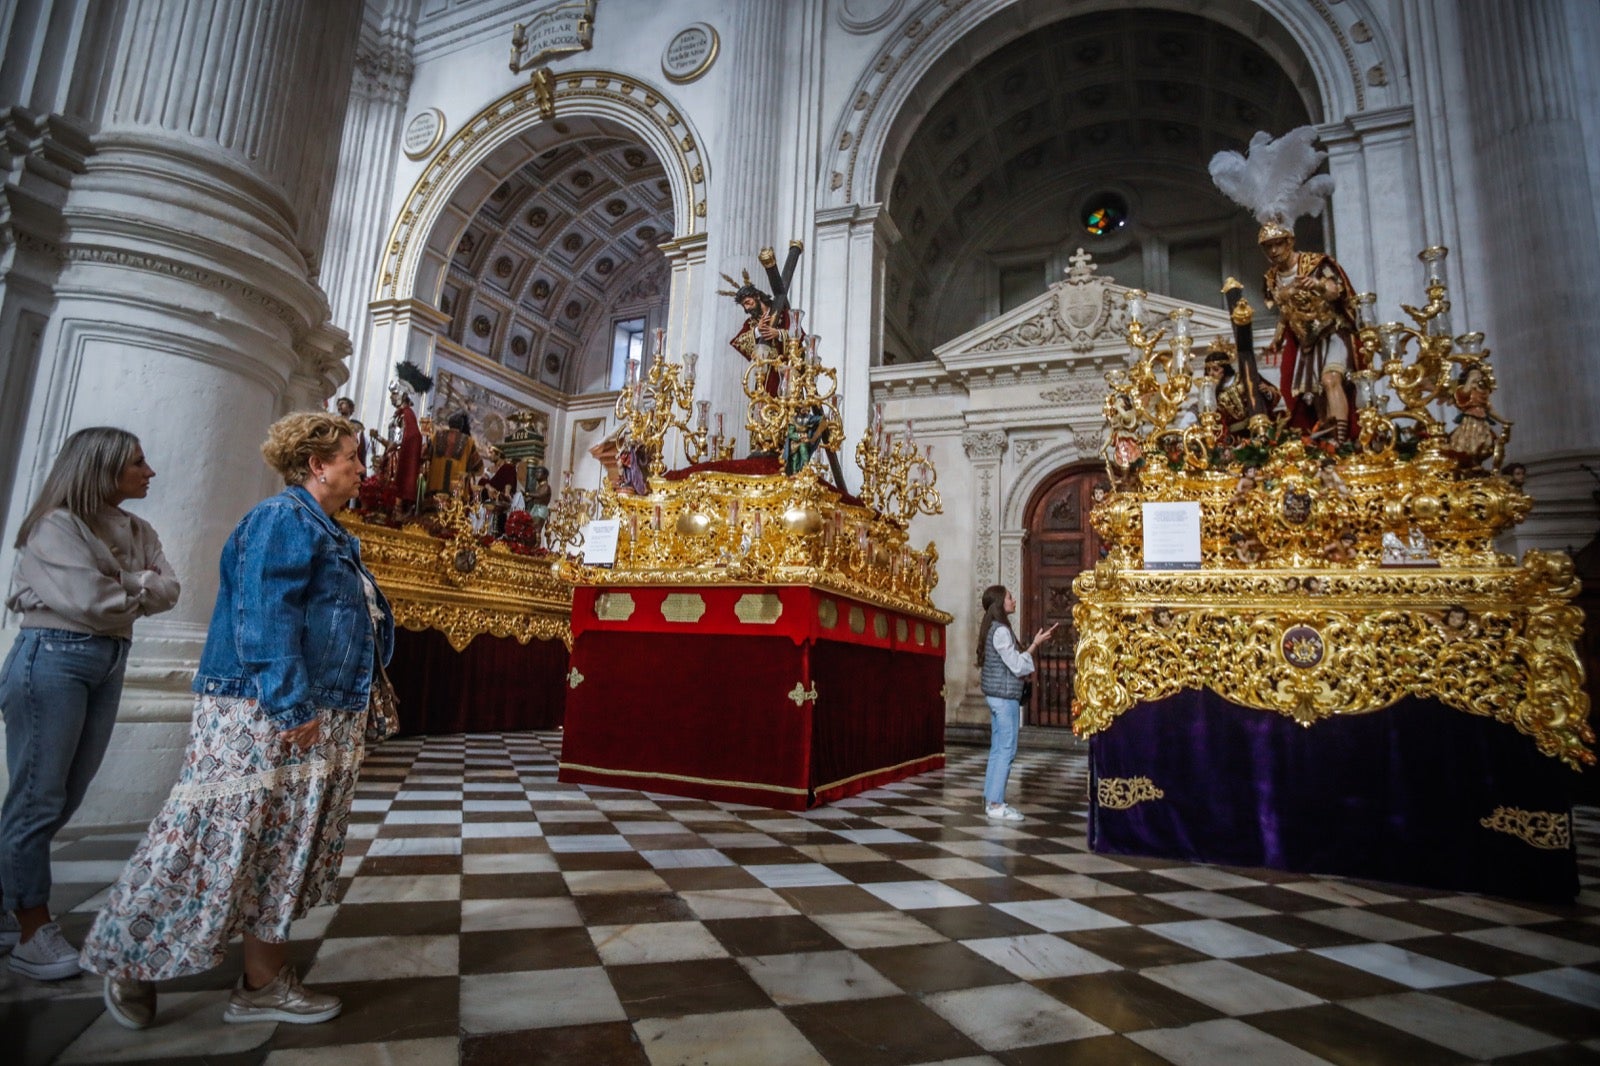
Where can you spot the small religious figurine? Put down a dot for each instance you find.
(401, 462)
(347, 411)
(1248, 480)
(1341, 549)
(453, 456)
(1328, 477)
(1232, 403)
(1315, 342)
(1122, 449)
(1473, 439)
(632, 477)
(1247, 547)
(497, 487)
(1516, 473)
(1455, 624)
(802, 440)
(539, 501)
(768, 318)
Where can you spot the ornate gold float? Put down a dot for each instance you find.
(1335, 578)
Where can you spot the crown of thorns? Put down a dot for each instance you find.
(740, 291)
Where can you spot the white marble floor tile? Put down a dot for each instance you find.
(369, 806)
(739, 840)
(975, 849)
(625, 945)
(1460, 1028)
(1001, 1017)
(314, 925)
(781, 825)
(543, 912)
(876, 836)
(188, 1025)
(378, 958)
(1039, 956)
(1221, 1042)
(950, 869)
(415, 846)
(519, 862)
(1397, 964)
(628, 804)
(429, 795)
(436, 1051)
(1207, 877)
(1498, 911)
(407, 817)
(649, 829)
(405, 889)
(685, 858)
(1210, 904)
(1568, 983)
(817, 977)
(1360, 922)
(751, 902)
(362, 830)
(918, 895)
(569, 817)
(1220, 940)
(583, 842)
(500, 830)
(1540, 945)
(1229, 987)
(581, 882)
(86, 871)
(1340, 894)
(838, 853)
(1059, 915)
(1073, 886)
(538, 999)
(796, 875)
(877, 929)
(481, 806)
(726, 1039)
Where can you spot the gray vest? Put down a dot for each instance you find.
(997, 678)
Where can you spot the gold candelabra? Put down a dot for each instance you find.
(788, 388)
(662, 401)
(897, 480)
(570, 511)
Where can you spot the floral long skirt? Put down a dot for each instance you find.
(251, 836)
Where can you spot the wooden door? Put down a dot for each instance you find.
(1060, 545)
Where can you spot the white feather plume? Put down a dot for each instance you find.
(1276, 181)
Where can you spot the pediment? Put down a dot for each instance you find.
(1080, 316)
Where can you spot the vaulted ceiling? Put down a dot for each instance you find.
(553, 249)
(1142, 98)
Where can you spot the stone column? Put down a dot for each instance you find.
(746, 153)
(358, 217)
(1527, 138)
(852, 243)
(185, 307)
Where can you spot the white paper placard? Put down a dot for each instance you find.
(1172, 536)
(600, 541)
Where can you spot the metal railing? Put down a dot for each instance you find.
(1052, 686)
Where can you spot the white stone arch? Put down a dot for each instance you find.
(638, 106)
(1339, 45)
(1040, 467)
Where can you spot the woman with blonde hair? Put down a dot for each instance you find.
(1003, 668)
(252, 834)
(86, 570)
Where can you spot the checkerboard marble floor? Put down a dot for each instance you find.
(496, 915)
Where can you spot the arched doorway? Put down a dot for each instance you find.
(1060, 545)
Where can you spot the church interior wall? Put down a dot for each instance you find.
(242, 323)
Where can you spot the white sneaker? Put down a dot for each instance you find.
(1003, 812)
(47, 957)
(10, 931)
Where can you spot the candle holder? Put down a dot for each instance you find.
(648, 409)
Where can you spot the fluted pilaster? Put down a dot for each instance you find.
(1534, 173)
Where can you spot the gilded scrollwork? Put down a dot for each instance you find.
(1122, 793)
(1545, 830)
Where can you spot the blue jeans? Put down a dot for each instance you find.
(1005, 716)
(59, 691)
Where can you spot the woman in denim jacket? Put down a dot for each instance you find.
(86, 570)
(253, 833)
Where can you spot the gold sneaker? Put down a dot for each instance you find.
(131, 1004)
(284, 1000)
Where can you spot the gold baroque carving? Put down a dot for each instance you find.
(800, 695)
(1121, 793)
(1545, 830)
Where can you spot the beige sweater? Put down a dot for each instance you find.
(70, 577)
